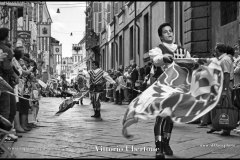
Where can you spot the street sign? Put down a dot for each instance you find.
(24, 34)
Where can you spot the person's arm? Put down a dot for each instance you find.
(237, 68)
(108, 78)
(158, 58)
(2, 55)
(87, 80)
(188, 55)
(226, 67)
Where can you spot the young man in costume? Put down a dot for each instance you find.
(95, 80)
(162, 56)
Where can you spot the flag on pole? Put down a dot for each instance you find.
(69, 103)
(4, 86)
(185, 91)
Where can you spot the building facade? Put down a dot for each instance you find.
(30, 26)
(127, 30)
(56, 58)
(67, 63)
(79, 58)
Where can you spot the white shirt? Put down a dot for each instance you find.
(16, 64)
(157, 56)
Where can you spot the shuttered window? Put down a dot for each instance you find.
(228, 11)
(116, 9)
(95, 7)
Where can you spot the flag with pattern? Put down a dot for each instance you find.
(69, 103)
(185, 91)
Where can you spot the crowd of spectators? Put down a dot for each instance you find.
(20, 71)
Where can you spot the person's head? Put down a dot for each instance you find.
(230, 50)
(126, 69)
(165, 33)
(18, 54)
(134, 65)
(236, 50)
(95, 64)
(129, 69)
(220, 49)
(4, 33)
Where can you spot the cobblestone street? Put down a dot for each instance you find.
(74, 134)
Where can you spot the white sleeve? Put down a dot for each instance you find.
(188, 55)
(108, 78)
(87, 80)
(157, 56)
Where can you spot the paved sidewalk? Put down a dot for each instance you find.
(74, 134)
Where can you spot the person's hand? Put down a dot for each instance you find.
(2, 55)
(202, 61)
(167, 58)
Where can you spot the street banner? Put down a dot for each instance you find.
(185, 91)
(44, 30)
(57, 49)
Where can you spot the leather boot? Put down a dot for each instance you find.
(95, 112)
(98, 114)
(159, 150)
(166, 147)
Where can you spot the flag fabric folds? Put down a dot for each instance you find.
(69, 103)
(185, 91)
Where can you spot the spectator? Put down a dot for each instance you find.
(119, 90)
(227, 67)
(81, 81)
(7, 101)
(134, 78)
(6, 72)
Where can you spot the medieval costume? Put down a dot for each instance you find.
(95, 81)
(157, 55)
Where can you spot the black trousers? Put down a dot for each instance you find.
(167, 128)
(119, 95)
(13, 108)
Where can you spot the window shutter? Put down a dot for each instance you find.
(100, 7)
(100, 17)
(108, 18)
(40, 13)
(35, 13)
(116, 8)
(95, 7)
(30, 8)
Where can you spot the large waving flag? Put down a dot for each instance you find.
(185, 91)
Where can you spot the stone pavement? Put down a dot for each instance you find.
(74, 134)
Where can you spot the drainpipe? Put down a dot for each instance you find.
(136, 25)
(114, 40)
